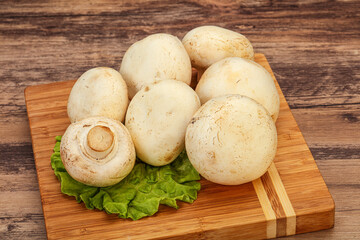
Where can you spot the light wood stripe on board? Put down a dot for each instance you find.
(278, 210)
(284, 199)
(266, 207)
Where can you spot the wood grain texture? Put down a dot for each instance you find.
(312, 46)
(299, 198)
(269, 213)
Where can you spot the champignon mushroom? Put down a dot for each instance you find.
(209, 44)
(240, 76)
(97, 151)
(156, 57)
(231, 140)
(99, 91)
(157, 118)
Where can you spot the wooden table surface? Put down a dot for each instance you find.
(313, 48)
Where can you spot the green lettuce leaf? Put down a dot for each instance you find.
(140, 193)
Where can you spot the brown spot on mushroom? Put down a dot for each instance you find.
(74, 158)
(260, 114)
(83, 166)
(193, 120)
(212, 157)
(273, 117)
(168, 158)
(107, 73)
(146, 89)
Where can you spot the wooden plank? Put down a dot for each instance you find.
(230, 212)
(333, 127)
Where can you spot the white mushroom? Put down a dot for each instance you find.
(157, 118)
(99, 91)
(97, 151)
(209, 44)
(231, 140)
(240, 76)
(156, 57)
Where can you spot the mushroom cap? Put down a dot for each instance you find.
(240, 76)
(157, 118)
(231, 140)
(156, 57)
(209, 44)
(97, 151)
(99, 91)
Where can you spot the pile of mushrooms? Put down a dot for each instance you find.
(226, 125)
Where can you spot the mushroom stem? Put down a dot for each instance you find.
(100, 142)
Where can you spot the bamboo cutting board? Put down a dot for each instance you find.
(290, 198)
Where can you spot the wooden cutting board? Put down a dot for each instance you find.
(291, 197)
